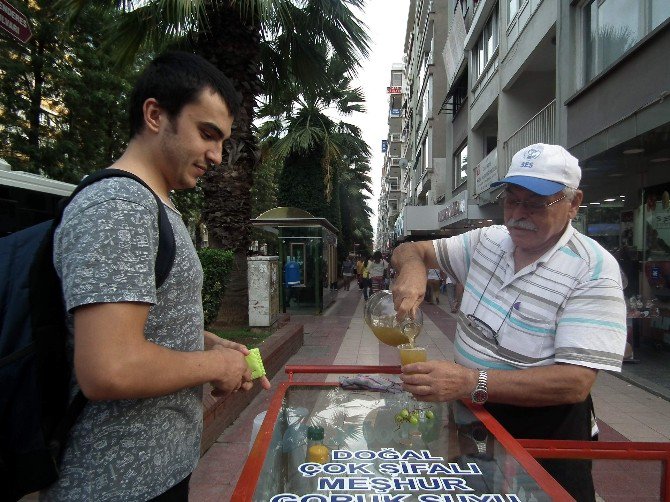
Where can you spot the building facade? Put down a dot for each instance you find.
(484, 78)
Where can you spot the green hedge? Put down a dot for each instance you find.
(216, 265)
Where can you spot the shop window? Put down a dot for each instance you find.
(461, 165)
(603, 225)
(613, 27)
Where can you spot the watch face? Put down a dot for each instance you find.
(479, 433)
(479, 396)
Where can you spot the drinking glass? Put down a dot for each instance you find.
(411, 354)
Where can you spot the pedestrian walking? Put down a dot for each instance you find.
(378, 271)
(360, 265)
(454, 292)
(348, 268)
(365, 279)
(433, 286)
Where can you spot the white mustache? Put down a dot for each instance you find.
(521, 223)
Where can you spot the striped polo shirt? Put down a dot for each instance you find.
(567, 307)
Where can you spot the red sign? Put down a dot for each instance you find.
(395, 89)
(14, 22)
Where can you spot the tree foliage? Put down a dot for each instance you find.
(62, 109)
(324, 161)
(260, 45)
(216, 266)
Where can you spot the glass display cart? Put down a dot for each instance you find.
(384, 446)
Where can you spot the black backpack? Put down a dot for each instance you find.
(35, 416)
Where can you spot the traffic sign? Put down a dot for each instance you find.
(14, 22)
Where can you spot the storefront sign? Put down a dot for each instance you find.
(455, 207)
(394, 89)
(386, 475)
(486, 172)
(395, 112)
(385, 145)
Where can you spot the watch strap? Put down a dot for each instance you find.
(480, 394)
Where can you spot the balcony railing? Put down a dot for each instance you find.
(540, 129)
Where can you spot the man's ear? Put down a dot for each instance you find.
(574, 204)
(153, 114)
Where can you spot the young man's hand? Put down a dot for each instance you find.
(233, 372)
(213, 341)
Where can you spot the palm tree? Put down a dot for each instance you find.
(306, 131)
(258, 44)
(324, 160)
(354, 187)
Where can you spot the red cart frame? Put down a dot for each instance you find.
(246, 484)
(542, 448)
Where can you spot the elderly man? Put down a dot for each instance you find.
(542, 311)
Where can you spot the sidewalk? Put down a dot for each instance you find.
(625, 411)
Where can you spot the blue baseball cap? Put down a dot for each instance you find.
(543, 169)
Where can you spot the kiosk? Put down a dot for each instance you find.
(307, 258)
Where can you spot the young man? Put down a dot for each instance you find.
(140, 354)
(542, 311)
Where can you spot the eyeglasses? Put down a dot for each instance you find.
(531, 206)
(483, 328)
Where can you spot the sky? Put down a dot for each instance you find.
(387, 22)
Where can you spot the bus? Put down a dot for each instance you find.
(27, 199)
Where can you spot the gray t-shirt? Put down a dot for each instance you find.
(105, 251)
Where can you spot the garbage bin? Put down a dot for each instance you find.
(292, 275)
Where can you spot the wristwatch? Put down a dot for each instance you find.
(480, 394)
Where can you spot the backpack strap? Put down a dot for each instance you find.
(166, 242)
(164, 260)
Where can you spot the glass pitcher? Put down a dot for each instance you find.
(380, 316)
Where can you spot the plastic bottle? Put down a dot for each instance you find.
(316, 451)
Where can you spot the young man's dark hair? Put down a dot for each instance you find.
(176, 79)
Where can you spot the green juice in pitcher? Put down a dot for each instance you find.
(380, 316)
(389, 336)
